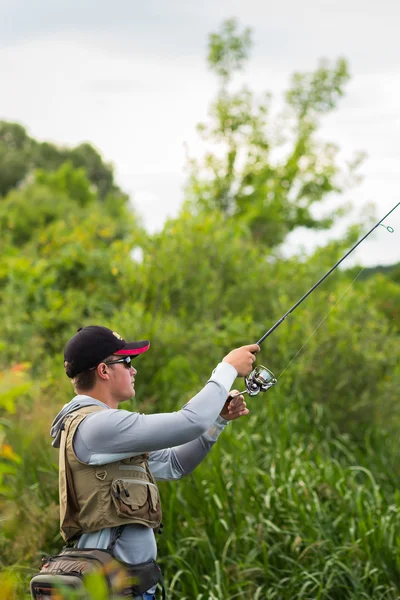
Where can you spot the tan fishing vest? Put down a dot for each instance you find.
(94, 497)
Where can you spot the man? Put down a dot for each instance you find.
(110, 458)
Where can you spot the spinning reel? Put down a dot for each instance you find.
(259, 380)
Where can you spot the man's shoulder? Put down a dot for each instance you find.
(73, 421)
(103, 417)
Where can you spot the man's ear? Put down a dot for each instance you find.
(102, 371)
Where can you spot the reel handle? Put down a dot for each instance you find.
(230, 398)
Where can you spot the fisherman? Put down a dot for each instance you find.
(111, 458)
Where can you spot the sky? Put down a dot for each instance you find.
(131, 78)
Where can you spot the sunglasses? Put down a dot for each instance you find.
(126, 360)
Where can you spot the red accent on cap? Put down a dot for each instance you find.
(132, 352)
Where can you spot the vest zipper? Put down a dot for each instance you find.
(139, 481)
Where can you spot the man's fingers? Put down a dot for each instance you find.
(236, 408)
(253, 348)
(239, 413)
(242, 359)
(236, 398)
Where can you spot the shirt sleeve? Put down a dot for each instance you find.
(174, 463)
(114, 434)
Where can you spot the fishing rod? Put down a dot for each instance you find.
(262, 379)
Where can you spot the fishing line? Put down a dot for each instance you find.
(261, 378)
(319, 324)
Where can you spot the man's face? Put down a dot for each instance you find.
(122, 378)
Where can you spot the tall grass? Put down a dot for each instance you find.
(275, 513)
(285, 506)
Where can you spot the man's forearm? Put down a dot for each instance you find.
(179, 461)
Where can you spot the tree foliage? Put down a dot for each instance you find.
(265, 169)
(20, 155)
(228, 50)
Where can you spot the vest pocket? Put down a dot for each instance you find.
(154, 498)
(133, 497)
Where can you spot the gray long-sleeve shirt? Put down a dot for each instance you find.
(177, 443)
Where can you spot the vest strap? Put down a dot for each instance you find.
(115, 535)
(66, 485)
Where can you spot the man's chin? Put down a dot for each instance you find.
(129, 396)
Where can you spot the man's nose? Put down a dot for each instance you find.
(133, 369)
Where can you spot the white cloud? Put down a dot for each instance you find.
(136, 87)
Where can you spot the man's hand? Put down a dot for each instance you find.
(235, 408)
(242, 359)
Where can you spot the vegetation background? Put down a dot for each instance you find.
(299, 500)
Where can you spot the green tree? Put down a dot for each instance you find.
(16, 149)
(268, 171)
(63, 256)
(20, 155)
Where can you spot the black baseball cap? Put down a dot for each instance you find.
(92, 344)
